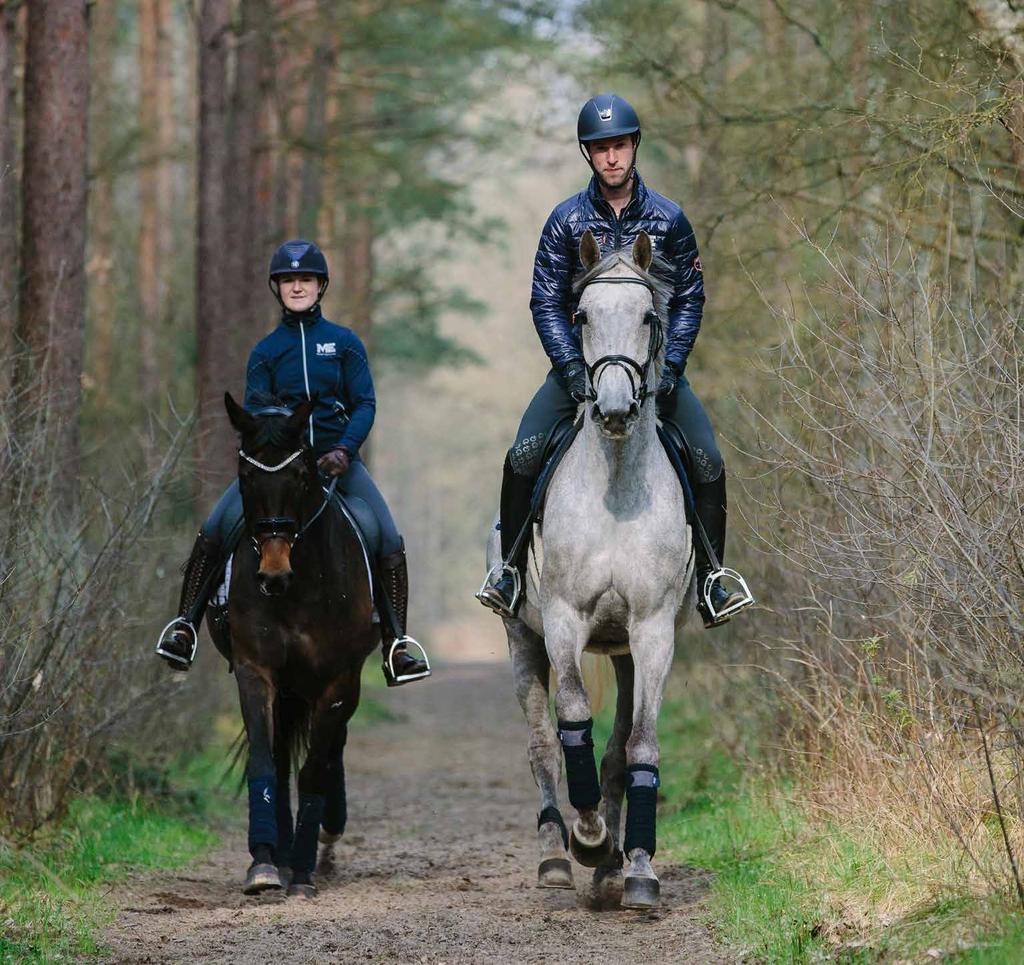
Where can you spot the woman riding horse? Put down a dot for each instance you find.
(305, 358)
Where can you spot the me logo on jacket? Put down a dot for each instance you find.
(326, 348)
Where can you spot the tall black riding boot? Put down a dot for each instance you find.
(503, 589)
(400, 666)
(710, 503)
(180, 637)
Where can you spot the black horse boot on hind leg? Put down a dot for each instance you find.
(710, 504)
(180, 638)
(503, 589)
(400, 666)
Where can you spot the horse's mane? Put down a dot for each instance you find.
(659, 277)
(271, 427)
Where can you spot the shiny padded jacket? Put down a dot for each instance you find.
(557, 263)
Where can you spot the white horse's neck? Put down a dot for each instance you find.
(617, 469)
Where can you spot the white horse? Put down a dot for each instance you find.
(612, 573)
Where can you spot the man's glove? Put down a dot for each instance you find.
(575, 377)
(335, 462)
(669, 379)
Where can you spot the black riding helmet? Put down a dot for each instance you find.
(298, 257)
(607, 115)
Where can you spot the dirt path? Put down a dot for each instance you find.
(438, 864)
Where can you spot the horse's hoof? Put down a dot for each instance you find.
(261, 877)
(301, 891)
(327, 837)
(640, 892)
(555, 873)
(590, 855)
(285, 873)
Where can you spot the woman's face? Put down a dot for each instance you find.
(298, 292)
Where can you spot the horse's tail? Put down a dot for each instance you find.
(598, 676)
(292, 718)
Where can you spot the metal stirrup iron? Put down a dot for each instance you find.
(492, 600)
(177, 657)
(389, 664)
(709, 582)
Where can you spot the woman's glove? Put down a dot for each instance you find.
(335, 462)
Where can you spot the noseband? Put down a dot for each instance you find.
(283, 527)
(635, 371)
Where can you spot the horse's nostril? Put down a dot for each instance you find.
(634, 410)
(274, 584)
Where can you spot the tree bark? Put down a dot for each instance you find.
(8, 182)
(52, 308)
(217, 360)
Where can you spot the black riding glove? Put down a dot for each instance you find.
(575, 377)
(669, 379)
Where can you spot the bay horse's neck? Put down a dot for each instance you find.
(616, 468)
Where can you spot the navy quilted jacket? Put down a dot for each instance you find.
(557, 262)
(307, 355)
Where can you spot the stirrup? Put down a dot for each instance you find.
(492, 600)
(186, 662)
(720, 616)
(389, 662)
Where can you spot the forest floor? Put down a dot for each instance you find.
(438, 863)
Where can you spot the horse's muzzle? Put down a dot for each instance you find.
(275, 572)
(274, 584)
(617, 423)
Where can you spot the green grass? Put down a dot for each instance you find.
(789, 889)
(52, 889)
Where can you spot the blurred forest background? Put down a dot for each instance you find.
(855, 175)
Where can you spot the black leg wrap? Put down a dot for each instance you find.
(554, 816)
(641, 808)
(336, 806)
(307, 826)
(580, 768)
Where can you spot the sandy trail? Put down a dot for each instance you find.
(438, 863)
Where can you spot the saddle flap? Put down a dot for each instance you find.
(365, 519)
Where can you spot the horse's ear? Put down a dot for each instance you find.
(643, 255)
(240, 419)
(300, 415)
(590, 250)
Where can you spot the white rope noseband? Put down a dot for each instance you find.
(259, 465)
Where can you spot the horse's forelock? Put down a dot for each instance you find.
(658, 277)
(273, 431)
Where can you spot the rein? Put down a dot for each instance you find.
(284, 527)
(638, 381)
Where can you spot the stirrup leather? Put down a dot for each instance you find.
(182, 623)
(709, 581)
(389, 660)
(492, 600)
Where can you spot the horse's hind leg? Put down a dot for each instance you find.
(256, 698)
(531, 670)
(651, 644)
(565, 638)
(607, 882)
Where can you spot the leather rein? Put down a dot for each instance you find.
(636, 372)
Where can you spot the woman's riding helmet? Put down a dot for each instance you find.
(298, 257)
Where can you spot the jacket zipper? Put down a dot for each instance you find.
(305, 377)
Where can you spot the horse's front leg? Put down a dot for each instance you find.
(531, 671)
(318, 779)
(651, 643)
(565, 636)
(256, 697)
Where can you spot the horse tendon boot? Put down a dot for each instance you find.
(400, 666)
(179, 640)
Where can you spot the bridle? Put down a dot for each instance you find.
(283, 527)
(635, 371)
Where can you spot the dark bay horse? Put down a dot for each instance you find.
(300, 613)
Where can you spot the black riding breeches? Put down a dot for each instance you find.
(552, 403)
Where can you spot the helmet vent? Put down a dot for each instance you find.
(296, 251)
(606, 114)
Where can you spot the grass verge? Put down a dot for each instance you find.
(790, 887)
(52, 889)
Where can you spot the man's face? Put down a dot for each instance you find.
(298, 292)
(612, 158)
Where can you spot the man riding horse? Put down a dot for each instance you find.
(616, 207)
(305, 358)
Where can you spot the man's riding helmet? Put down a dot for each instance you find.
(298, 257)
(606, 115)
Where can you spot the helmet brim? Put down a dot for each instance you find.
(604, 135)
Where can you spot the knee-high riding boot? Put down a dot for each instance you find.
(180, 637)
(503, 591)
(400, 666)
(710, 504)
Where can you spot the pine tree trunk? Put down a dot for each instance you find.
(52, 307)
(217, 359)
(8, 182)
(149, 210)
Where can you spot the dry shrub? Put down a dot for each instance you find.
(894, 506)
(80, 591)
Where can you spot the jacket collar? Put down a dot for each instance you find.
(639, 192)
(309, 317)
